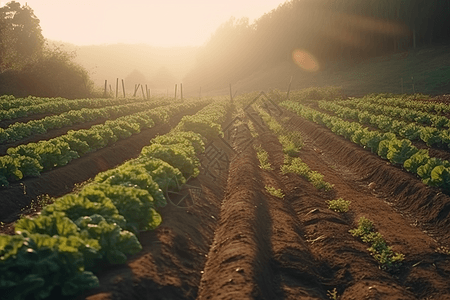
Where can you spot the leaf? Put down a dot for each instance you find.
(79, 282)
(400, 150)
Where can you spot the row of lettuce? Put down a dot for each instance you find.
(406, 101)
(433, 136)
(58, 105)
(29, 160)
(433, 171)
(21, 130)
(9, 101)
(58, 252)
(433, 119)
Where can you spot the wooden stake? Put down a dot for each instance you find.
(110, 90)
(106, 82)
(175, 91)
(146, 90)
(289, 89)
(117, 88)
(231, 94)
(136, 87)
(123, 88)
(181, 91)
(143, 94)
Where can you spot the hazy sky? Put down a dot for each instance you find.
(156, 22)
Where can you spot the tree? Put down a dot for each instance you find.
(20, 36)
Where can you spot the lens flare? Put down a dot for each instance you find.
(305, 60)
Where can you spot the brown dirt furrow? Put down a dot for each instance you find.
(298, 271)
(239, 262)
(330, 257)
(424, 206)
(63, 180)
(390, 205)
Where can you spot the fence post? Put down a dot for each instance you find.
(136, 87)
(231, 94)
(289, 89)
(175, 91)
(106, 86)
(146, 90)
(143, 94)
(123, 88)
(117, 88)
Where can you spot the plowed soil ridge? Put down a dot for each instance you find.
(239, 263)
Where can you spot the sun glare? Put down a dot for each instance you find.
(305, 60)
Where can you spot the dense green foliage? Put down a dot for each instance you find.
(20, 130)
(30, 159)
(28, 66)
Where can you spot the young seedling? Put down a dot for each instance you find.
(274, 192)
(339, 205)
(263, 158)
(383, 253)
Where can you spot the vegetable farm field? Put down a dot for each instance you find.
(315, 196)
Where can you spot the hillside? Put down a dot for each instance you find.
(429, 66)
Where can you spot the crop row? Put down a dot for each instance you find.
(291, 142)
(57, 252)
(406, 102)
(407, 114)
(433, 171)
(31, 159)
(432, 136)
(20, 130)
(9, 101)
(59, 106)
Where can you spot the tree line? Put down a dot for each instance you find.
(29, 66)
(331, 30)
